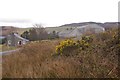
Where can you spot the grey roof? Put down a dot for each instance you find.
(18, 36)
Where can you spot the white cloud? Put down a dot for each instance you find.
(58, 12)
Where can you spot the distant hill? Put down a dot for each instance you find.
(105, 25)
(111, 24)
(78, 31)
(5, 30)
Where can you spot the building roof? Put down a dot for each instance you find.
(18, 36)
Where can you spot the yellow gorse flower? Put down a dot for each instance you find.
(83, 43)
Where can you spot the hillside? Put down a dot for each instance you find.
(105, 25)
(5, 30)
(38, 60)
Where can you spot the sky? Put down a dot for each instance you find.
(50, 13)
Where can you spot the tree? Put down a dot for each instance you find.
(25, 35)
(36, 33)
(54, 32)
(41, 32)
(71, 28)
(2, 41)
(33, 34)
(53, 35)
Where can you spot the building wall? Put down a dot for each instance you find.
(12, 40)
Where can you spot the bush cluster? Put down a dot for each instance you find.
(69, 45)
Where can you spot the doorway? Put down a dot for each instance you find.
(20, 43)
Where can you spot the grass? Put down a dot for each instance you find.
(0, 66)
(0, 47)
(51, 29)
(21, 30)
(6, 48)
(0, 62)
(39, 60)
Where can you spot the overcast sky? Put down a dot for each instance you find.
(49, 13)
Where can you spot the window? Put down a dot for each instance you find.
(9, 42)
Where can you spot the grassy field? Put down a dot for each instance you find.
(0, 63)
(0, 47)
(48, 29)
(8, 30)
(6, 48)
(0, 66)
(21, 30)
(51, 29)
(39, 60)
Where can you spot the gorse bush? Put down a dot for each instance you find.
(87, 38)
(113, 43)
(63, 45)
(67, 46)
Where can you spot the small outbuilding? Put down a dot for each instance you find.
(15, 39)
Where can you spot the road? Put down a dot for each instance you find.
(8, 52)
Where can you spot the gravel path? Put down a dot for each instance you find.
(8, 52)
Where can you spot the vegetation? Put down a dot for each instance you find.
(25, 34)
(39, 60)
(53, 35)
(71, 45)
(6, 48)
(39, 33)
(2, 41)
(36, 33)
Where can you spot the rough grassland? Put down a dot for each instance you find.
(0, 66)
(6, 48)
(38, 60)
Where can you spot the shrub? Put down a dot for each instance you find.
(64, 45)
(88, 38)
(67, 47)
(2, 41)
